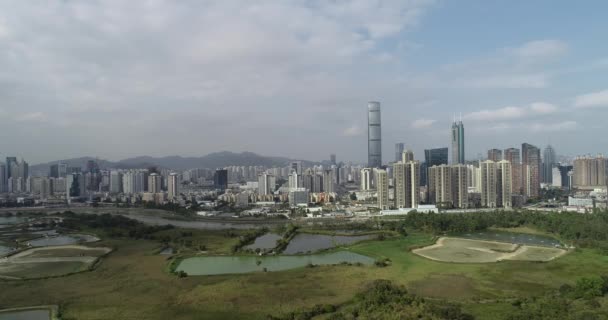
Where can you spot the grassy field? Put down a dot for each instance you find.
(41, 269)
(50, 252)
(132, 283)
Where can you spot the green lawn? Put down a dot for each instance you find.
(132, 283)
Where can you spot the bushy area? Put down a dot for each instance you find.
(114, 226)
(383, 299)
(581, 301)
(583, 230)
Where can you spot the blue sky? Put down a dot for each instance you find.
(116, 79)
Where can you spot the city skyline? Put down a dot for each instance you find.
(101, 83)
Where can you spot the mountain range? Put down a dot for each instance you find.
(212, 160)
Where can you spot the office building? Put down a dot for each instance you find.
(297, 197)
(399, 148)
(549, 161)
(295, 166)
(458, 156)
(448, 186)
(382, 187)
(495, 155)
(531, 167)
(366, 179)
(332, 159)
(512, 155)
(172, 186)
(115, 181)
(589, 172)
(374, 135)
(10, 162)
(220, 179)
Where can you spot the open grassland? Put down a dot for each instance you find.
(65, 251)
(480, 251)
(41, 269)
(132, 283)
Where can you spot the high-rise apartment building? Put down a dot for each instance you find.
(496, 184)
(366, 179)
(590, 172)
(155, 182)
(374, 135)
(531, 167)
(448, 185)
(458, 143)
(406, 179)
(266, 183)
(549, 161)
(495, 154)
(512, 155)
(382, 187)
(172, 186)
(399, 148)
(407, 156)
(328, 181)
(115, 181)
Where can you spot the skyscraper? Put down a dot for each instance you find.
(220, 179)
(374, 135)
(366, 179)
(9, 164)
(154, 183)
(531, 166)
(399, 148)
(332, 159)
(503, 188)
(432, 157)
(457, 142)
(488, 183)
(548, 163)
(266, 183)
(495, 155)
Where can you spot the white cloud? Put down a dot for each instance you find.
(518, 81)
(512, 112)
(541, 49)
(594, 99)
(553, 127)
(352, 131)
(423, 123)
(31, 117)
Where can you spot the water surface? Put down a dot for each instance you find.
(62, 240)
(267, 241)
(39, 314)
(11, 220)
(216, 265)
(305, 242)
(511, 237)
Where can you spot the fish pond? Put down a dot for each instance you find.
(62, 240)
(216, 265)
(305, 242)
(512, 237)
(31, 314)
(264, 242)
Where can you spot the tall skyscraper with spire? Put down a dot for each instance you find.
(457, 142)
(374, 135)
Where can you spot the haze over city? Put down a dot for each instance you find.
(117, 79)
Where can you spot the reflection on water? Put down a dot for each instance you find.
(304, 242)
(512, 237)
(265, 242)
(40, 314)
(244, 264)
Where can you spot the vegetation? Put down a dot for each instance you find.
(248, 238)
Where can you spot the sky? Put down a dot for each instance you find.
(117, 79)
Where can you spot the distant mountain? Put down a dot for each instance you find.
(212, 160)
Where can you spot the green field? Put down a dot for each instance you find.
(70, 251)
(133, 283)
(41, 269)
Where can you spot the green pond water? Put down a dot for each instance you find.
(38, 314)
(511, 237)
(216, 265)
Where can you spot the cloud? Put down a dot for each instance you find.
(31, 117)
(590, 100)
(541, 49)
(518, 81)
(553, 127)
(352, 131)
(423, 123)
(512, 112)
